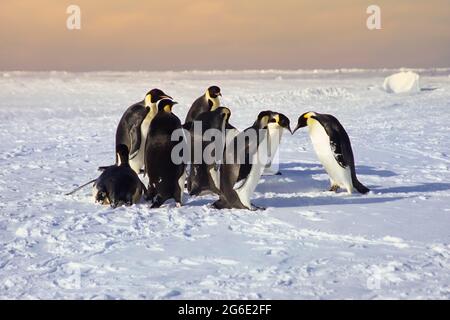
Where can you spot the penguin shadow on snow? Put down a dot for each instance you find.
(298, 177)
(425, 187)
(360, 169)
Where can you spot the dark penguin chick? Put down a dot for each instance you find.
(207, 102)
(133, 127)
(166, 175)
(245, 159)
(203, 173)
(119, 184)
(333, 148)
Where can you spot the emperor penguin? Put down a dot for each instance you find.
(133, 127)
(208, 135)
(245, 159)
(332, 146)
(118, 184)
(207, 102)
(166, 175)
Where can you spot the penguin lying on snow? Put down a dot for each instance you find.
(207, 102)
(166, 178)
(118, 184)
(238, 179)
(133, 127)
(203, 176)
(332, 146)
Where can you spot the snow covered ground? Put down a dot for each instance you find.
(56, 128)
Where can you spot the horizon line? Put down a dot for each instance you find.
(309, 70)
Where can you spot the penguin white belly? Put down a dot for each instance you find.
(181, 182)
(275, 133)
(321, 143)
(245, 191)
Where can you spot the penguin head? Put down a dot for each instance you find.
(263, 119)
(303, 120)
(214, 92)
(281, 120)
(102, 197)
(154, 96)
(122, 154)
(165, 105)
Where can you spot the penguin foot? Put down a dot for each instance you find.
(270, 172)
(220, 204)
(148, 197)
(334, 188)
(155, 205)
(256, 208)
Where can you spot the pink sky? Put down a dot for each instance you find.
(222, 34)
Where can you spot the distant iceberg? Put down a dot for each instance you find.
(405, 81)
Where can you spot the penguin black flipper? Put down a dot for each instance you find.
(337, 147)
(250, 150)
(135, 139)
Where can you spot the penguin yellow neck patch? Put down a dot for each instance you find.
(277, 118)
(215, 101)
(168, 108)
(308, 115)
(310, 121)
(148, 100)
(264, 121)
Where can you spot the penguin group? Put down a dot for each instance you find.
(149, 136)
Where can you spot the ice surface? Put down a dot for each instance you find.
(405, 81)
(56, 128)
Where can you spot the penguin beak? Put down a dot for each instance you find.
(296, 128)
(174, 102)
(166, 97)
(219, 94)
(290, 130)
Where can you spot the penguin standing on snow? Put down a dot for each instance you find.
(332, 146)
(133, 127)
(245, 159)
(207, 102)
(118, 184)
(166, 177)
(203, 175)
